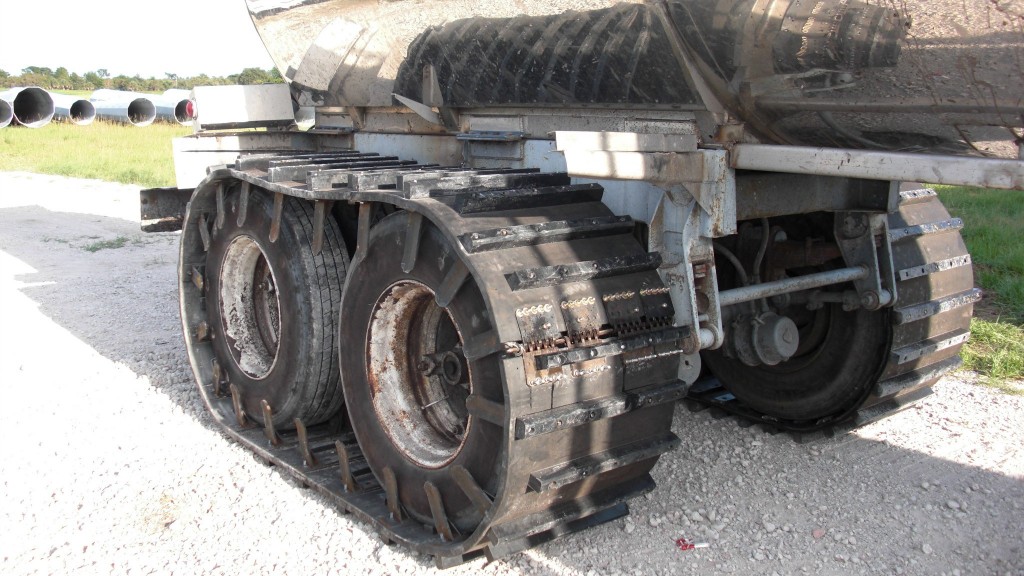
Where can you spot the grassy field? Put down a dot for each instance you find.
(993, 232)
(88, 93)
(81, 93)
(102, 150)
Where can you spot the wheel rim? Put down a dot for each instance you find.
(249, 307)
(418, 375)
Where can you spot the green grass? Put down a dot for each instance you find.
(83, 93)
(994, 233)
(118, 242)
(102, 150)
(996, 351)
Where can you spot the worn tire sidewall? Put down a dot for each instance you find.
(287, 384)
(837, 378)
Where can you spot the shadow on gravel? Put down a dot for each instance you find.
(757, 499)
(111, 285)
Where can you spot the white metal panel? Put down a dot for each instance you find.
(194, 154)
(625, 142)
(242, 106)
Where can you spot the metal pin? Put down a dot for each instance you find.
(412, 241)
(197, 277)
(243, 203)
(268, 424)
(275, 222)
(391, 492)
(204, 232)
(437, 511)
(203, 332)
(363, 231)
(307, 454)
(424, 408)
(464, 479)
(220, 205)
(218, 377)
(236, 403)
(346, 473)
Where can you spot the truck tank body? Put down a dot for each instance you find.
(913, 76)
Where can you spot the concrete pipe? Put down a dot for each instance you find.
(6, 113)
(32, 106)
(171, 106)
(78, 111)
(181, 99)
(137, 111)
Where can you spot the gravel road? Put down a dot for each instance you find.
(110, 465)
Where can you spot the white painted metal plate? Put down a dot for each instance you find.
(242, 106)
(625, 142)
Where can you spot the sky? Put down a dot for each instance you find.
(183, 37)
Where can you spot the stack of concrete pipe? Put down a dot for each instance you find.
(141, 109)
(35, 107)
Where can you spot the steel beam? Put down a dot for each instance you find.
(936, 169)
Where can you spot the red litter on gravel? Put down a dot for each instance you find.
(685, 544)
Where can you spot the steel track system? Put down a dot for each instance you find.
(578, 330)
(578, 325)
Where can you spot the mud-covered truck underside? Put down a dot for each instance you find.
(464, 304)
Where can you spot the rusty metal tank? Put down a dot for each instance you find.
(943, 76)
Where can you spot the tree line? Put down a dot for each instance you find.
(61, 79)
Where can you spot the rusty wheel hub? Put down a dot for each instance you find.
(418, 375)
(250, 311)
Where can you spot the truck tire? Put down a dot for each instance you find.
(272, 306)
(863, 364)
(829, 376)
(410, 422)
(484, 339)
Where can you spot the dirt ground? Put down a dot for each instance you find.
(110, 465)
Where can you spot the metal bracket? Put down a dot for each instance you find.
(699, 204)
(421, 110)
(689, 270)
(858, 234)
(490, 136)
